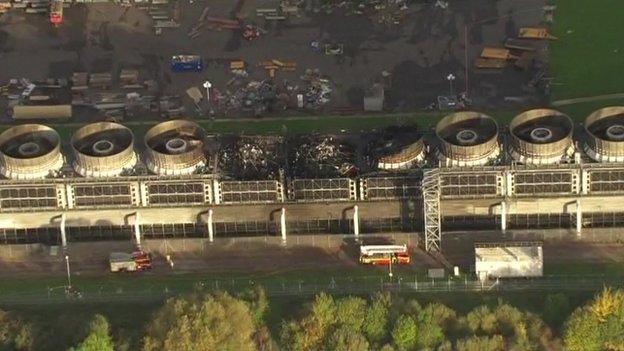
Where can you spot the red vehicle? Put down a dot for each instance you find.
(143, 260)
(384, 254)
(56, 12)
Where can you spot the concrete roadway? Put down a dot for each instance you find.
(307, 211)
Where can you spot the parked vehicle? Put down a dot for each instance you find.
(130, 262)
(186, 63)
(56, 12)
(384, 254)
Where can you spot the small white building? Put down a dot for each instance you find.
(509, 260)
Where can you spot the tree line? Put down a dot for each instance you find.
(220, 321)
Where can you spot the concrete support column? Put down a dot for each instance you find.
(579, 218)
(584, 182)
(283, 225)
(143, 194)
(137, 230)
(356, 221)
(216, 191)
(69, 195)
(509, 188)
(63, 231)
(503, 216)
(210, 227)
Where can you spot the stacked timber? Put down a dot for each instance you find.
(100, 80)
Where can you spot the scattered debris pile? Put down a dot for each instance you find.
(251, 158)
(322, 157)
(256, 97)
(260, 96)
(384, 12)
(317, 89)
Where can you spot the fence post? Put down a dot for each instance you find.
(416, 282)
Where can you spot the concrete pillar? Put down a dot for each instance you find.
(579, 218)
(143, 194)
(503, 216)
(283, 225)
(356, 221)
(137, 230)
(63, 232)
(584, 182)
(508, 183)
(216, 191)
(210, 227)
(69, 195)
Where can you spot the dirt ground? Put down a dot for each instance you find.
(419, 53)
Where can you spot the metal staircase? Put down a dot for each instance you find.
(431, 208)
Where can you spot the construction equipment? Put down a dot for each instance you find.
(488, 63)
(273, 65)
(237, 65)
(334, 49)
(136, 261)
(497, 53)
(535, 33)
(519, 44)
(252, 32)
(186, 63)
(56, 12)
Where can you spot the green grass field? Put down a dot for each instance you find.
(331, 124)
(588, 58)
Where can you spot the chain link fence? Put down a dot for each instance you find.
(126, 291)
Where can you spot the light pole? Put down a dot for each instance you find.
(207, 85)
(450, 78)
(68, 272)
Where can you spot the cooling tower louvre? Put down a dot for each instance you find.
(103, 149)
(175, 147)
(30, 151)
(605, 134)
(541, 136)
(467, 139)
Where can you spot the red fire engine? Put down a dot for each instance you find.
(384, 254)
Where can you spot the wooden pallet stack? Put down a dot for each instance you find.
(80, 81)
(100, 81)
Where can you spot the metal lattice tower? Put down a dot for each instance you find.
(431, 208)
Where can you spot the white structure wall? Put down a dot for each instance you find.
(506, 261)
